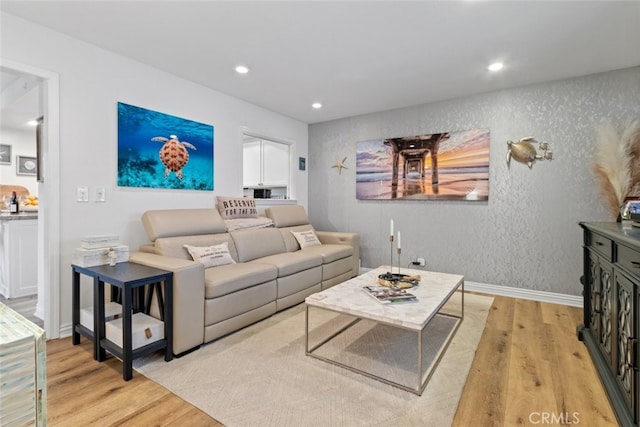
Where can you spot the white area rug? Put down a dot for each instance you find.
(260, 376)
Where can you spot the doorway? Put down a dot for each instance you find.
(48, 234)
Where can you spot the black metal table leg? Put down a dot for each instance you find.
(98, 319)
(75, 306)
(168, 316)
(127, 343)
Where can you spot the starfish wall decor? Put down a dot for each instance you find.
(340, 165)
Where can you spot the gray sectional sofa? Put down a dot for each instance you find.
(270, 272)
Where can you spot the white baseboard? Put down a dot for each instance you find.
(528, 294)
(65, 330)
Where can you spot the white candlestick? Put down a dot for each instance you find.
(391, 228)
(399, 244)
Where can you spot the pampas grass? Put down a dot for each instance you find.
(617, 164)
(632, 135)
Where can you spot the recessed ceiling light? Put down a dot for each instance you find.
(496, 66)
(32, 123)
(316, 105)
(241, 69)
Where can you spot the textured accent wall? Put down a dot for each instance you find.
(527, 234)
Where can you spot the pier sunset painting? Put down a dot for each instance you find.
(441, 166)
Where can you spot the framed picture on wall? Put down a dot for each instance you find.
(5, 154)
(26, 165)
(451, 165)
(158, 150)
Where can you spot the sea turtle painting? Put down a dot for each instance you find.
(173, 154)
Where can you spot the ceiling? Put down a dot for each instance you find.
(19, 100)
(354, 57)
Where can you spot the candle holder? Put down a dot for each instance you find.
(391, 251)
(399, 252)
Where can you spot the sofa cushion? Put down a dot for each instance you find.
(337, 268)
(290, 241)
(238, 303)
(211, 256)
(299, 282)
(237, 207)
(306, 239)
(182, 222)
(330, 253)
(252, 244)
(289, 263)
(287, 215)
(174, 246)
(226, 279)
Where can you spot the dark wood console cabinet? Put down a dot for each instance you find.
(611, 322)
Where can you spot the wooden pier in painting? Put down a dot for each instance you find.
(414, 151)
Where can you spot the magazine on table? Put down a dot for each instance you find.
(387, 295)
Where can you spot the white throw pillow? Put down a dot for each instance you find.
(211, 256)
(306, 238)
(237, 207)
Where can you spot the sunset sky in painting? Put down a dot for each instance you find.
(468, 148)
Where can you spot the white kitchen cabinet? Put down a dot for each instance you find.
(252, 163)
(265, 163)
(275, 164)
(19, 255)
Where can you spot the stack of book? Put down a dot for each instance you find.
(98, 250)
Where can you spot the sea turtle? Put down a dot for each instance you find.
(523, 151)
(173, 154)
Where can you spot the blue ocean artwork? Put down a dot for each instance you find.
(157, 150)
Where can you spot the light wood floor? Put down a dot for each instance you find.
(529, 363)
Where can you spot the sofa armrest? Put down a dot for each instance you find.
(343, 238)
(188, 298)
(149, 248)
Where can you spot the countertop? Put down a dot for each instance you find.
(623, 232)
(6, 216)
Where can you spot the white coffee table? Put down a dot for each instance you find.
(434, 292)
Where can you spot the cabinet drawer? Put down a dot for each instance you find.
(629, 259)
(602, 245)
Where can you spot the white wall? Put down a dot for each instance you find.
(23, 143)
(92, 81)
(527, 234)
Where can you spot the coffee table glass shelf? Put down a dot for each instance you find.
(422, 329)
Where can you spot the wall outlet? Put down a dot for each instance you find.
(418, 261)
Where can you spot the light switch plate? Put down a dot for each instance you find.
(101, 194)
(82, 194)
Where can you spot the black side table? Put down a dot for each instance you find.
(127, 277)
